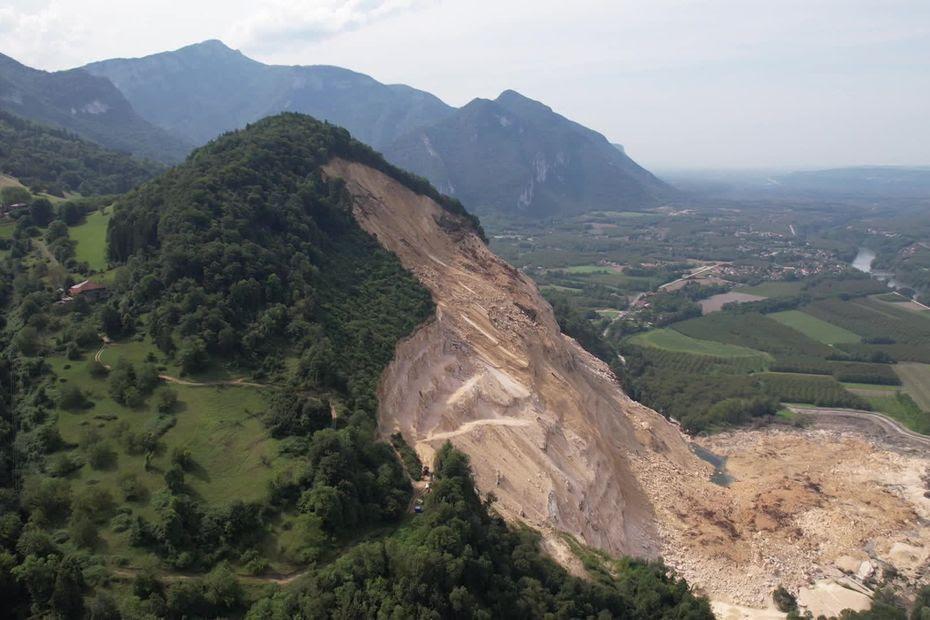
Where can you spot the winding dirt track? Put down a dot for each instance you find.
(888, 425)
(240, 382)
(470, 426)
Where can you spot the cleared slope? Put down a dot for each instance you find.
(547, 428)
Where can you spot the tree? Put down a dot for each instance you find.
(166, 400)
(68, 594)
(56, 230)
(72, 398)
(193, 356)
(26, 340)
(41, 212)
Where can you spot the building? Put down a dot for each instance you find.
(91, 291)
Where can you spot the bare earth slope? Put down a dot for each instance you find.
(552, 435)
(548, 430)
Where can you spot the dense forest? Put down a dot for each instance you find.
(54, 161)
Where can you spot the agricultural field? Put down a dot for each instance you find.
(815, 328)
(885, 328)
(916, 380)
(781, 288)
(717, 302)
(755, 331)
(91, 238)
(816, 390)
(672, 340)
(703, 364)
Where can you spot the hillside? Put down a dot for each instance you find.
(54, 161)
(203, 90)
(516, 156)
(252, 312)
(88, 106)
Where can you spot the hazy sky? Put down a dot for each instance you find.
(712, 83)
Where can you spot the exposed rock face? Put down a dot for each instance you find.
(547, 428)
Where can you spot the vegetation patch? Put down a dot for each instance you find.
(91, 240)
(902, 408)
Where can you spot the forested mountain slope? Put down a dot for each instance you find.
(202, 90)
(516, 156)
(54, 161)
(86, 105)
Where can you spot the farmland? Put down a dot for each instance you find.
(815, 328)
(673, 340)
(916, 380)
(752, 330)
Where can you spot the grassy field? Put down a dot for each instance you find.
(872, 387)
(815, 328)
(774, 289)
(916, 380)
(672, 340)
(902, 408)
(91, 238)
(6, 230)
(233, 455)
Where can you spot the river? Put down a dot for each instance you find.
(863, 262)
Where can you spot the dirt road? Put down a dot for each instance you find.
(887, 425)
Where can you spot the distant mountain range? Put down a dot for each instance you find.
(86, 105)
(203, 90)
(516, 155)
(511, 155)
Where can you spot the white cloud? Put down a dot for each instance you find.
(43, 32)
(282, 22)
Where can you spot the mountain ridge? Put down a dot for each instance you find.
(86, 105)
(554, 165)
(154, 85)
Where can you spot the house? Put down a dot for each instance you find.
(91, 291)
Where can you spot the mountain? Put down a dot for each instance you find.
(511, 155)
(54, 161)
(296, 258)
(203, 90)
(516, 156)
(86, 105)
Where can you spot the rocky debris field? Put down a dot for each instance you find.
(805, 507)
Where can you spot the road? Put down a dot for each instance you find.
(888, 425)
(693, 274)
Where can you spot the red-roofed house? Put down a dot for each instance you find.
(91, 291)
